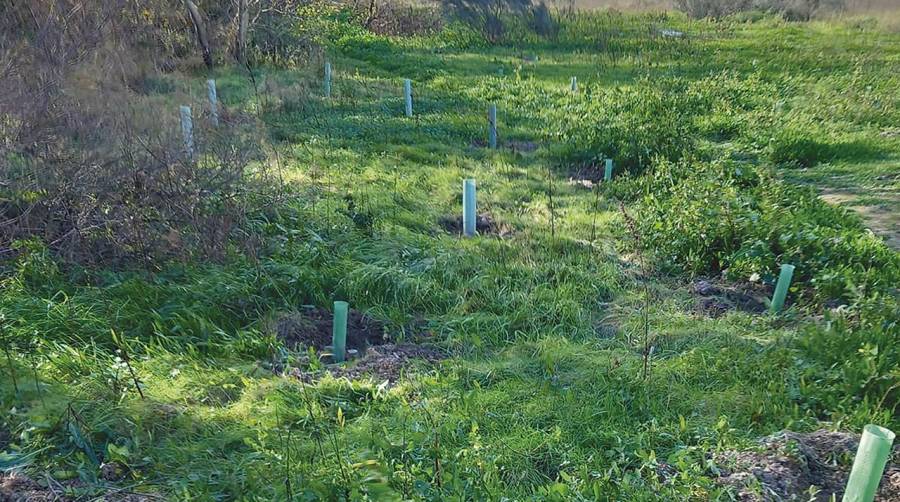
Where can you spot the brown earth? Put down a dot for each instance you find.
(16, 487)
(586, 175)
(715, 299)
(883, 220)
(369, 349)
(514, 145)
(485, 224)
(388, 362)
(791, 464)
(312, 327)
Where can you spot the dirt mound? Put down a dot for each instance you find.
(312, 327)
(791, 465)
(485, 224)
(715, 300)
(383, 363)
(16, 487)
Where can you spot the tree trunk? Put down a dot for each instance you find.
(370, 15)
(240, 46)
(200, 29)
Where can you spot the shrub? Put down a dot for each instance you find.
(652, 118)
(399, 18)
(713, 216)
(87, 165)
(542, 21)
(792, 10)
(486, 15)
(851, 364)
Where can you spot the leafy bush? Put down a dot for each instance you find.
(851, 365)
(723, 215)
(486, 16)
(90, 166)
(652, 118)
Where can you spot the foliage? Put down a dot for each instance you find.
(795, 10)
(178, 375)
(737, 218)
(850, 366)
(488, 16)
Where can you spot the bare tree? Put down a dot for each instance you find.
(243, 18)
(200, 30)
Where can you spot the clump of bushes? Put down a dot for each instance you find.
(399, 17)
(707, 217)
(95, 165)
(710, 216)
(793, 10)
(851, 364)
(651, 118)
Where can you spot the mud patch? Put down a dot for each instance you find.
(16, 487)
(311, 327)
(790, 465)
(485, 224)
(388, 362)
(715, 299)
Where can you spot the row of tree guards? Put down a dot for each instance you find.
(875, 445)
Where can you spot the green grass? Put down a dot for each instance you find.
(543, 396)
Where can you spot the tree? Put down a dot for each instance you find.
(200, 30)
(487, 15)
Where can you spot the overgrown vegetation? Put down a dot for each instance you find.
(144, 291)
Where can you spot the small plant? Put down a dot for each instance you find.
(638, 247)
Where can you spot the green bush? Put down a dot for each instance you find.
(852, 363)
(724, 215)
(652, 118)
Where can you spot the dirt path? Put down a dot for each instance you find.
(876, 210)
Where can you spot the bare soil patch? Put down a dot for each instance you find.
(370, 350)
(312, 327)
(789, 464)
(713, 299)
(16, 487)
(883, 221)
(388, 362)
(586, 175)
(485, 224)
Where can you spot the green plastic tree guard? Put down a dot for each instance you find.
(213, 102)
(868, 466)
(574, 84)
(407, 96)
(339, 331)
(469, 207)
(492, 125)
(781, 288)
(607, 172)
(327, 80)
